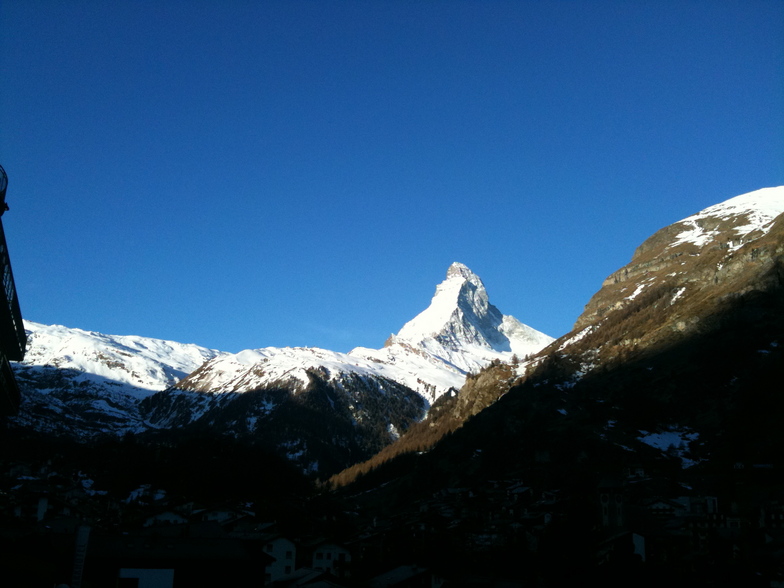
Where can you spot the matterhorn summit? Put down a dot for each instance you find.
(462, 328)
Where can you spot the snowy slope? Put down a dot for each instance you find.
(689, 253)
(751, 215)
(140, 365)
(289, 367)
(83, 384)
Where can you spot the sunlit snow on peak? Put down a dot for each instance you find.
(757, 210)
(463, 329)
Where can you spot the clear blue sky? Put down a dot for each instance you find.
(244, 174)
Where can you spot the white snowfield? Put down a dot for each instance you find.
(143, 365)
(756, 210)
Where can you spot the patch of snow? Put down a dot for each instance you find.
(677, 294)
(576, 337)
(311, 468)
(636, 292)
(673, 441)
(393, 432)
(137, 494)
(758, 208)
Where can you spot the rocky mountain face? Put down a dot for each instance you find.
(712, 249)
(321, 409)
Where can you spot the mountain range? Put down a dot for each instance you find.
(642, 448)
(321, 409)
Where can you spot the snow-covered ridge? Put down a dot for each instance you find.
(756, 210)
(143, 365)
(291, 366)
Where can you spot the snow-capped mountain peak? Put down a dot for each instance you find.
(458, 333)
(461, 270)
(461, 326)
(462, 290)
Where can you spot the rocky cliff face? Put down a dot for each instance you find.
(682, 282)
(712, 249)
